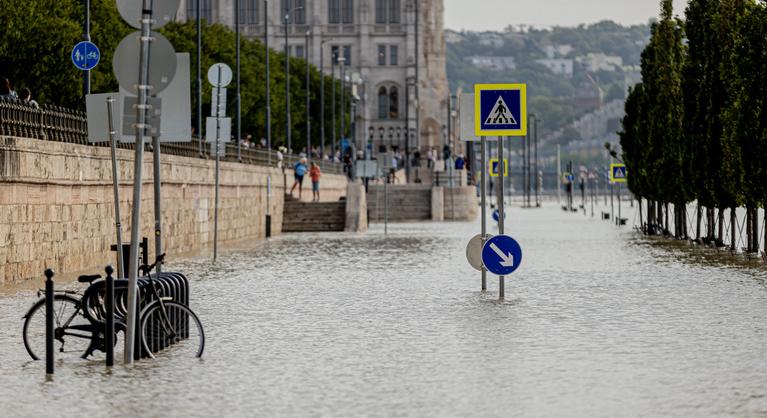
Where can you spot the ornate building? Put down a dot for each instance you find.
(385, 52)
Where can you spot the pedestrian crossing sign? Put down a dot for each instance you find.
(500, 109)
(494, 167)
(618, 173)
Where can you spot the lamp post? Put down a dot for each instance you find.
(288, 12)
(381, 131)
(342, 63)
(333, 60)
(391, 138)
(399, 136)
(308, 101)
(268, 84)
(322, 98)
(369, 148)
(237, 65)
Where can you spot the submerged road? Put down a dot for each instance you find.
(597, 322)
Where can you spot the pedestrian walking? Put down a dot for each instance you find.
(429, 159)
(299, 171)
(315, 173)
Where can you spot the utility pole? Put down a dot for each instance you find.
(537, 179)
(237, 64)
(87, 37)
(199, 77)
(268, 84)
(342, 63)
(287, 81)
(333, 60)
(308, 104)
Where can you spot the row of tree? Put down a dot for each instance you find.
(695, 129)
(37, 37)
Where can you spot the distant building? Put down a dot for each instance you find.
(492, 63)
(491, 39)
(588, 96)
(560, 66)
(594, 62)
(377, 38)
(453, 37)
(554, 51)
(632, 75)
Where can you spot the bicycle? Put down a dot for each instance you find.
(79, 318)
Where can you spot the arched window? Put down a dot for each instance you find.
(393, 103)
(381, 11)
(383, 103)
(394, 11)
(387, 11)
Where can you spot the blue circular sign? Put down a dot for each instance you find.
(501, 255)
(85, 55)
(496, 216)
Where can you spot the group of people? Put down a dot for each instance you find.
(300, 170)
(7, 92)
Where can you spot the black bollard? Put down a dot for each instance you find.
(49, 321)
(109, 307)
(268, 226)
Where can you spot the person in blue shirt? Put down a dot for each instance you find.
(299, 171)
(460, 162)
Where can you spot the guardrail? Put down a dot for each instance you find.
(55, 123)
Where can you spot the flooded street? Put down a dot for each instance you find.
(597, 322)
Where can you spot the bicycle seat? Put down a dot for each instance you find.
(88, 278)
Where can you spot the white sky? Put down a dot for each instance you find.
(497, 14)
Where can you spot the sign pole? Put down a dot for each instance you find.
(501, 284)
(145, 39)
(157, 200)
(116, 189)
(483, 201)
(218, 165)
(619, 204)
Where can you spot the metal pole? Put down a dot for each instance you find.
(237, 64)
(109, 308)
(501, 220)
(322, 98)
(116, 189)
(386, 206)
(342, 60)
(619, 204)
(308, 104)
(143, 88)
(268, 84)
(524, 171)
(49, 313)
(407, 132)
(287, 84)
(157, 200)
(483, 201)
(218, 165)
(537, 183)
(417, 79)
(87, 37)
(559, 176)
(333, 106)
(528, 187)
(199, 77)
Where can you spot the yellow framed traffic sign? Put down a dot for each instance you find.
(618, 173)
(500, 109)
(492, 167)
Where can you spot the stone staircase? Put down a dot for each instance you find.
(313, 216)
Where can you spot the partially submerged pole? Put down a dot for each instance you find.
(116, 189)
(501, 284)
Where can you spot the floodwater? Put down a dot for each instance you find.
(597, 322)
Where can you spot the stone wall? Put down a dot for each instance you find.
(57, 209)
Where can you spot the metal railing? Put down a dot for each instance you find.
(55, 123)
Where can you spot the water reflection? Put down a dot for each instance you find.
(597, 322)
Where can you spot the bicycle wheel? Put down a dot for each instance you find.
(177, 332)
(73, 332)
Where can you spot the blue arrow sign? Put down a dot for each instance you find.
(85, 55)
(501, 255)
(496, 216)
(500, 109)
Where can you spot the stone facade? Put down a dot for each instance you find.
(57, 210)
(381, 37)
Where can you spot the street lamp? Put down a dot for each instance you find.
(391, 136)
(399, 136)
(308, 103)
(322, 97)
(342, 63)
(381, 131)
(369, 148)
(288, 12)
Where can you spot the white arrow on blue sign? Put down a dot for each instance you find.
(501, 255)
(85, 55)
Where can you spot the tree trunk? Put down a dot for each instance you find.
(720, 235)
(665, 229)
(755, 230)
(641, 220)
(748, 230)
(698, 221)
(733, 228)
